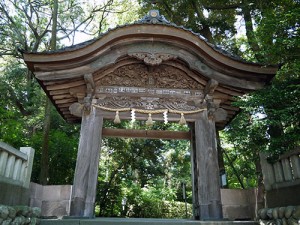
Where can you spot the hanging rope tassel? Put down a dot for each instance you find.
(165, 115)
(132, 115)
(149, 122)
(182, 120)
(117, 118)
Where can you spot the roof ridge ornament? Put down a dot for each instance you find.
(154, 17)
(152, 59)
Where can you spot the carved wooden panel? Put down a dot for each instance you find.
(148, 103)
(138, 75)
(152, 59)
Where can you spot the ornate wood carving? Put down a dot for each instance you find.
(138, 75)
(148, 103)
(152, 59)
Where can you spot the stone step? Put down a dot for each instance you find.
(143, 221)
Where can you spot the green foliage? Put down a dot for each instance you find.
(205, 17)
(278, 31)
(269, 122)
(18, 99)
(148, 173)
(62, 151)
(151, 202)
(26, 25)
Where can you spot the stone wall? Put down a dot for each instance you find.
(23, 215)
(11, 194)
(283, 196)
(282, 179)
(54, 200)
(241, 204)
(289, 215)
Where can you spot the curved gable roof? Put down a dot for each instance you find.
(60, 70)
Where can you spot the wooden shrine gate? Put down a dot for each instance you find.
(149, 70)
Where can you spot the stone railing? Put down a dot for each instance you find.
(15, 165)
(15, 173)
(283, 173)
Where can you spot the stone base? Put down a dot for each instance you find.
(283, 196)
(13, 194)
(144, 221)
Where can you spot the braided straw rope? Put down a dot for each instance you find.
(144, 111)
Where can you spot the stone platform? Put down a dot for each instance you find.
(144, 221)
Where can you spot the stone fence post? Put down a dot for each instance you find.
(27, 167)
(267, 170)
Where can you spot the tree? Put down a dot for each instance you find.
(212, 20)
(271, 36)
(148, 173)
(26, 25)
(270, 117)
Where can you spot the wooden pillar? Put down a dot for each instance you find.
(194, 173)
(209, 196)
(86, 172)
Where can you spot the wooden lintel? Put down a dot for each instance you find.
(147, 134)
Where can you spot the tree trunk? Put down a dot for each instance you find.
(44, 173)
(236, 173)
(205, 31)
(250, 31)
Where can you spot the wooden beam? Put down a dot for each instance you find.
(63, 101)
(69, 84)
(147, 134)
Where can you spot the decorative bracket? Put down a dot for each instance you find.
(90, 90)
(77, 108)
(210, 88)
(152, 59)
(213, 105)
(215, 112)
(90, 85)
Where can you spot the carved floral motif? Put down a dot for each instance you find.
(152, 59)
(138, 75)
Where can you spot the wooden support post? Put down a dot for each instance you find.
(209, 195)
(194, 172)
(86, 172)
